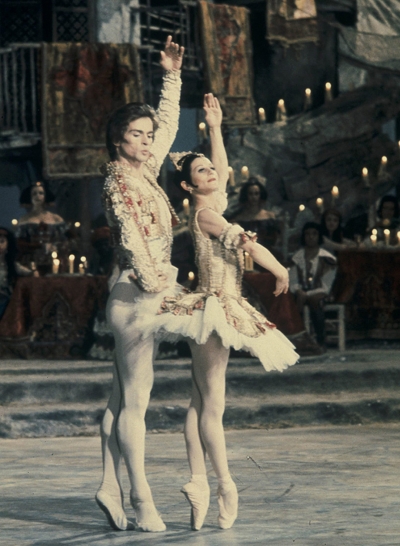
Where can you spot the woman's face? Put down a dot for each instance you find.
(38, 195)
(387, 210)
(331, 222)
(253, 195)
(3, 244)
(203, 175)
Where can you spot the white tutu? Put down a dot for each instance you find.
(271, 347)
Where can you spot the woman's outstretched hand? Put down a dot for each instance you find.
(171, 57)
(213, 110)
(282, 285)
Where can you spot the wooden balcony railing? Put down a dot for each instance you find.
(19, 96)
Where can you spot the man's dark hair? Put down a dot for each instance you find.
(121, 118)
(311, 225)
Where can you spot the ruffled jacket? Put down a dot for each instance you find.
(138, 212)
(319, 279)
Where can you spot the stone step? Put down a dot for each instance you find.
(90, 382)
(275, 411)
(68, 398)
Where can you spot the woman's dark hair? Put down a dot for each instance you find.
(389, 199)
(10, 255)
(121, 118)
(26, 194)
(252, 181)
(311, 225)
(337, 235)
(185, 173)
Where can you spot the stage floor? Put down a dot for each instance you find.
(331, 486)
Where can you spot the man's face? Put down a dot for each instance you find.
(137, 140)
(311, 237)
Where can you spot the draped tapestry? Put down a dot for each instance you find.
(292, 21)
(82, 84)
(228, 60)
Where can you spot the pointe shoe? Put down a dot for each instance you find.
(227, 497)
(199, 499)
(113, 510)
(148, 519)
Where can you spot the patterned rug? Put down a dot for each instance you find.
(227, 60)
(82, 85)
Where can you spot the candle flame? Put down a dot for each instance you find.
(308, 92)
(365, 171)
(384, 159)
(14, 222)
(77, 224)
(54, 255)
(301, 208)
(202, 126)
(328, 86)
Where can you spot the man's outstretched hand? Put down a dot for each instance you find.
(171, 57)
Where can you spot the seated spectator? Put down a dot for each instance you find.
(332, 232)
(9, 268)
(311, 276)
(40, 231)
(253, 215)
(388, 218)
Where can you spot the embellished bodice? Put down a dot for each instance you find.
(34, 232)
(219, 261)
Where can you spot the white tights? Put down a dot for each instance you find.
(123, 428)
(204, 432)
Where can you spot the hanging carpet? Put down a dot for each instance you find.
(82, 84)
(228, 60)
(292, 21)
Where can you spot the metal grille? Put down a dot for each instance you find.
(155, 23)
(19, 104)
(19, 22)
(71, 27)
(71, 20)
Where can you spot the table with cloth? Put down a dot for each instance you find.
(368, 283)
(52, 316)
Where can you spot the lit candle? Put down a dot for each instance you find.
(386, 233)
(245, 173)
(328, 92)
(71, 260)
(383, 166)
(56, 265)
(335, 194)
(320, 204)
(261, 115)
(307, 99)
(202, 130)
(231, 177)
(54, 254)
(373, 239)
(186, 207)
(84, 263)
(248, 262)
(77, 224)
(281, 110)
(398, 237)
(14, 222)
(365, 176)
(81, 269)
(301, 208)
(191, 276)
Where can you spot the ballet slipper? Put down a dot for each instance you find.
(148, 519)
(228, 504)
(198, 496)
(113, 510)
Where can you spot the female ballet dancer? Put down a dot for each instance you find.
(139, 215)
(216, 317)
